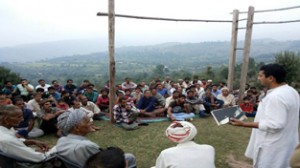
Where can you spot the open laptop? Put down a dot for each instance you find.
(222, 116)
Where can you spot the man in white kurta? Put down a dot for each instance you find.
(14, 147)
(273, 143)
(275, 128)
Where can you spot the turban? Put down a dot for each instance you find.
(225, 88)
(181, 131)
(67, 120)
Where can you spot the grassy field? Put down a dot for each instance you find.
(147, 142)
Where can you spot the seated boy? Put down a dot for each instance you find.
(248, 107)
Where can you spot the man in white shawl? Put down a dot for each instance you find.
(275, 128)
(187, 153)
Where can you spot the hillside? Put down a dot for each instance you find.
(39, 51)
(142, 60)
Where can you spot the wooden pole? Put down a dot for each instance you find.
(246, 52)
(111, 49)
(234, 34)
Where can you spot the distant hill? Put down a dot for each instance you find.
(48, 50)
(142, 60)
(190, 54)
(260, 49)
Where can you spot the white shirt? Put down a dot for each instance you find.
(23, 90)
(168, 101)
(129, 85)
(91, 107)
(44, 87)
(33, 105)
(187, 155)
(89, 113)
(272, 144)
(228, 100)
(15, 147)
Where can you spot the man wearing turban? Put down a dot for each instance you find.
(75, 147)
(187, 153)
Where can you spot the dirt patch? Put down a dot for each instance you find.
(233, 163)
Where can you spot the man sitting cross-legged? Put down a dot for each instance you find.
(26, 127)
(171, 98)
(147, 105)
(91, 107)
(34, 104)
(48, 115)
(25, 89)
(161, 90)
(17, 148)
(103, 100)
(126, 115)
(211, 102)
(178, 110)
(75, 147)
(160, 100)
(91, 94)
(195, 105)
(228, 98)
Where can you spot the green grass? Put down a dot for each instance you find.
(147, 142)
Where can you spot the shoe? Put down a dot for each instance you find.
(143, 124)
(189, 119)
(203, 114)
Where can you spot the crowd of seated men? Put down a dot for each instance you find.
(69, 111)
(177, 99)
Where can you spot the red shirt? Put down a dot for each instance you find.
(6, 102)
(248, 108)
(102, 100)
(63, 106)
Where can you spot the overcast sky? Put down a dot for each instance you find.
(34, 21)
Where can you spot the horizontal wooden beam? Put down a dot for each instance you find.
(164, 19)
(277, 22)
(272, 10)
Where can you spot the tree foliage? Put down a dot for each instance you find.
(291, 62)
(6, 74)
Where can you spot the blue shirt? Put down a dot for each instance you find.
(163, 91)
(56, 95)
(70, 89)
(216, 93)
(91, 96)
(146, 103)
(8, 91)
(27, 117)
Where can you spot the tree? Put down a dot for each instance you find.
(159, 70)
(209, 73)
(291, 62)
(6, 74)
